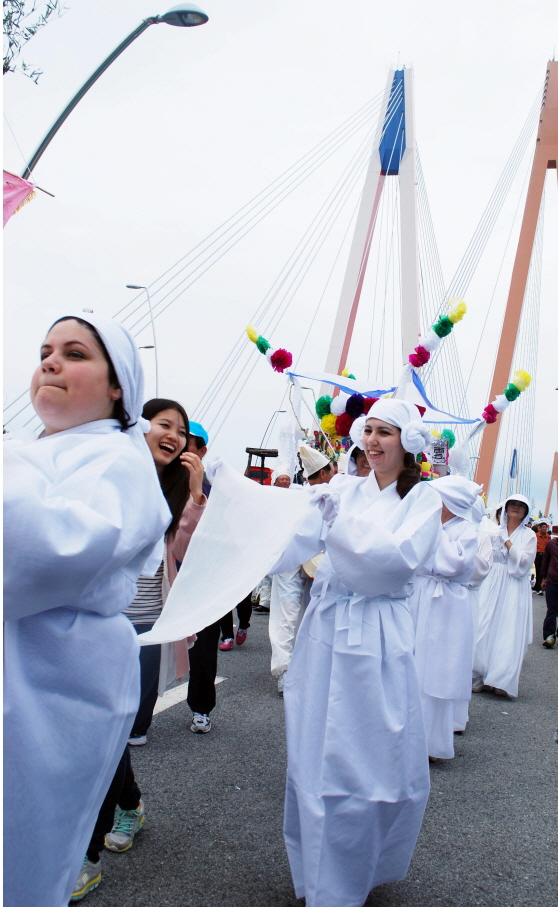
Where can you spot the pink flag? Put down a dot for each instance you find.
(17, 191)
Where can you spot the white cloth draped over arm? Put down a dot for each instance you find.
(67, 527)
(522, 553)
(379, 558)
(455, 558)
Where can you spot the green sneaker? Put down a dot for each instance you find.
(89, 877)
(126, 824)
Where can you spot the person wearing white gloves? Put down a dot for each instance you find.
(357, 777)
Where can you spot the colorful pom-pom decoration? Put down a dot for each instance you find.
(343, 425)
(347, 374)
(522, 379)
(511, 392)
(338, 405)
(489, 414)
(355, 406)
(323, 406)
(252, 333)
(456, 309)
(431, 341)
(419, 357)
(443, 326)
(281, 359)
(328, 424)
(449, 436)
(368, 404)
(263, 344)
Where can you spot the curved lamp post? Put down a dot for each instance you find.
(185, 15)
(135, 286)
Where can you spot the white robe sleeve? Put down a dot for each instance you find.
(521, 555)
(483, 560)
(372, 560)
(308, 542)
(67, 534)
(455, 558)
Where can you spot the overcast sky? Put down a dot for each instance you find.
(189, 124)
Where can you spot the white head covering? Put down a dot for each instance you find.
(478, 510)
(282, 470)
(357, 431)
(415, 436)
(343, 463)
(459, 495)
(127, 365)
(515, 497)
(312, 460)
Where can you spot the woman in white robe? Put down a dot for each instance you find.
(506, 604)
(357, 778)
(84, 514)
(443, 618)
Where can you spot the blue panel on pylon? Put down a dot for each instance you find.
(392, 145)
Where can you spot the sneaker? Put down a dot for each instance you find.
(241, 636)
(138, 740)
(201, 724)
(126, 824)
(226, 645)
(478, 686)
(261, 609)
(281, 683)
(549, 642)
(89, 877)
(540, 592)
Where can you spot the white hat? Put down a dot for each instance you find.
(282, 470)
(312, 460)
(415, 436)
(342, 462)
(459, 495)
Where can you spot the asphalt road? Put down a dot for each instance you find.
(212, 837)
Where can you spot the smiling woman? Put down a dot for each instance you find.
(85, 512)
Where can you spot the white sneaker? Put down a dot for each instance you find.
(140, 740)
(281, 683)
(201, 724)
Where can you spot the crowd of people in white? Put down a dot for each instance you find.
(403, 597)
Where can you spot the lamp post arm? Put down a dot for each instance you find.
(152, 20)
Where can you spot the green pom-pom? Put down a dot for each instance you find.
(323, 406)
(262, 344)
(449, 436)
(443, 326)
(512, 392)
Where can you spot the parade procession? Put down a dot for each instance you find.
(281, 522)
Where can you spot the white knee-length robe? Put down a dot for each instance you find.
(506, 618)
(443, 619)
(83, 513)
(357, 778)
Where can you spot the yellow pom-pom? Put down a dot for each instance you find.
(456, 309)
(328, 425)
(252, 333)
(436, 434)
(521, 379)
(345, 373)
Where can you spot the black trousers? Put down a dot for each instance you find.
(150, 663)
(203, 669)
(123, 792)
(549, 626)
(244, 611)
(538, 571)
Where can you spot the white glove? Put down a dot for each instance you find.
(211, 469)
(327, 502)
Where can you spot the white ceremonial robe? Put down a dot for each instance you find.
(444, 644)
(83, 513)
(483, 564)
(506, 618)
(290, 594)
(357, 776)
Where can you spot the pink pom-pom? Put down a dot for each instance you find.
(419, 357)
(343, 425)
(281, 360)
(368, 404)
(490, 414)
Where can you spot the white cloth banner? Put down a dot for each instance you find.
(243, 533)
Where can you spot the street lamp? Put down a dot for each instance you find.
(185, 15)
(134, 286)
